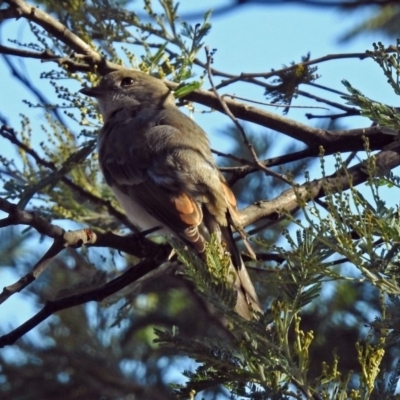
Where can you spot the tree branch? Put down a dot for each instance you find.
(57, 246)
(136, 244)
(332, 141)
(288, 200)
(54, 27)
(61, 32)
(51, 307)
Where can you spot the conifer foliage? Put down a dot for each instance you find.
(121, 314)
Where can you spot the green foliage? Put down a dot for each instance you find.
(336, 275)
(210, 277)
(377, 112)
(380, 113)
(389, 63)
(275, 352)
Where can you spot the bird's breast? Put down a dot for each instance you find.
(137, 214)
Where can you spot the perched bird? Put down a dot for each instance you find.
(159, 165)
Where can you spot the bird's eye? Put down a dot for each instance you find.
(125, 82)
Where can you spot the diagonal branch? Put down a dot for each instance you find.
(288, 201)
(228, 112)
(131, 275)
(332, 141)
(136, 245)
(59, 31)
(57, 246)
(313, 137)
(54, 27)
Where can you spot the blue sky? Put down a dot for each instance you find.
(252, 39)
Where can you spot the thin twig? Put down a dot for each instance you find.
(238, 125)
(240, 172)
(232, 96)
(246, 76)
(9, 134)
(332, 117)
(231, 156)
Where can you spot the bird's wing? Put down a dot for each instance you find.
(154, 181)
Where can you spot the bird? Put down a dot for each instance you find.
(159, 165)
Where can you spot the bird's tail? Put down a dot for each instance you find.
(247, 299)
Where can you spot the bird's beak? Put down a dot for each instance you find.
(91, 91)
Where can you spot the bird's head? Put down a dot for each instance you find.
(129, 89)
